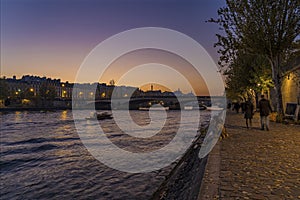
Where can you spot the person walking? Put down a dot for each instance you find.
(248, 112)
(264, 109)
(236, 107)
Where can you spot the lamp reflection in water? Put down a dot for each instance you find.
(64, 115)
(17, 116)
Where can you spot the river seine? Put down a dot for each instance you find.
(42, 157)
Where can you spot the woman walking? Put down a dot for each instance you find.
(248, 113)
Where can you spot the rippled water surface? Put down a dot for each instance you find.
(42, 157)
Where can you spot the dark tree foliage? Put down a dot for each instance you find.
(47, 92)
(248, 72)
(268, 28)
(4, 93)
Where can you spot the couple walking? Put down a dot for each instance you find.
(264, 109)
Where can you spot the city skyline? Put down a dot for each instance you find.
(52, 38)
(145, 88)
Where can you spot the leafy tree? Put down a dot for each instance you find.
(46, 95)
(112, 82)
(47, 92)
(4, 93)
(247, 74)
(27, 94)
(268, 28)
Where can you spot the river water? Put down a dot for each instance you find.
(42, 157)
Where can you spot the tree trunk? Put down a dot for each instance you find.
(277, 79)
(256, 100)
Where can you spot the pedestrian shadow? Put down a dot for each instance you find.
(240, 127)
(234, 126)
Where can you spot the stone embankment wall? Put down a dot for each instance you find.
(184, 181)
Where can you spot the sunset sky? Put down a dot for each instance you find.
(52, 37)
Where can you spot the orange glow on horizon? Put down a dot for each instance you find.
(130, 60)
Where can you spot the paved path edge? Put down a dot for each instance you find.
(210, 183)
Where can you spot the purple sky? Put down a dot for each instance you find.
(52, 37)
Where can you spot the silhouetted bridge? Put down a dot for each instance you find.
(135, 102)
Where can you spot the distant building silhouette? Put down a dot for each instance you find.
(64, 90)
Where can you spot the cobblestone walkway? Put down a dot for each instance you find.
(256, 164)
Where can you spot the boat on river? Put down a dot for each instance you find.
(99, 116)
(214, 108)
(156, 108)
(200, 107)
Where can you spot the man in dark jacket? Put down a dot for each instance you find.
(264, 109)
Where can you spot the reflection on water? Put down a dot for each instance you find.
(17, 116)
(64, 115)
(42, 157)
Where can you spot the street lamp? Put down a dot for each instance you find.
(80, 94)
(64, 93)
